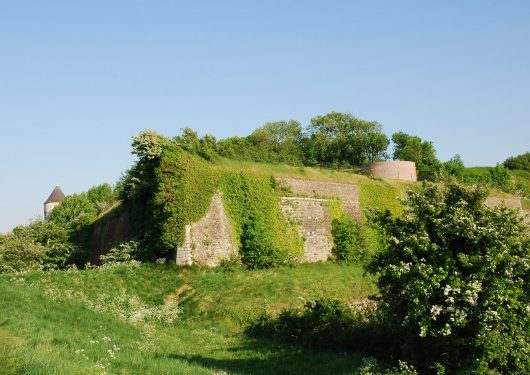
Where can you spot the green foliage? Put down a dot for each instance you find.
(454, 281)
(338, 138)
(149, 145)
(412, 148)
(274, 142)
(205, 147)
(54, 238)
(518, 162)
(39, 245)
(258, 249)
(76, 214)
(102, 197)
(45, 328)
(124, 253)
(348, 242)
(185, 185)
(455, 167)
(253, 205)
(20, 253)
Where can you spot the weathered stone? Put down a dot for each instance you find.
(208, 241)
(312, 218)
(347, 193)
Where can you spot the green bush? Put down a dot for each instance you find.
(454, 281)
(20, 253)
(39, 245)
(348, 242)
(258, 248)
(252, 202)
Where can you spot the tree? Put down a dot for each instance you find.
(518, 162)
(412, 148)
(278, 142)
(340, 138)
(455, 167)
(454, 279)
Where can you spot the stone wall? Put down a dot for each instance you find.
(314, 225)
(109, 231)
(347, 193)
(208, 241)
(394, 170)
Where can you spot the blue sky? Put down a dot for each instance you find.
(78, 79)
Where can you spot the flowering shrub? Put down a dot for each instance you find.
(454, 281)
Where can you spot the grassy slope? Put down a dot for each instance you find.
(46, 317)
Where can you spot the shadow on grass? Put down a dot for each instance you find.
(265, 356)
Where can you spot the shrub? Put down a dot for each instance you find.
(20, 253)
(454, 281)
(258, 248)
(348, 242)
(124, 253)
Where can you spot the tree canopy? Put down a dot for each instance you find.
(518, 162)
(340, 138)
(413, 148)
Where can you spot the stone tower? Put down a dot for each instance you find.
(53, 200)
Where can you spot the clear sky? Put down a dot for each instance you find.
(78, 79)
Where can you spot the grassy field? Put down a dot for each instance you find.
(157, 319)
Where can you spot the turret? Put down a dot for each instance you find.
(53, 200)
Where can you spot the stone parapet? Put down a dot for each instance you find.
(347, 193)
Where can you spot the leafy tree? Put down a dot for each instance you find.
(518, 162)
(454, 281)
(205, 147)
(455, 167)
(336, 138)
(74, 212)
(101, 196)
(278, 141)
(412, 148)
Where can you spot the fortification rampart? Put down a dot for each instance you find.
(347, 193)
(394, 170)
(314, 225)
(208, 241)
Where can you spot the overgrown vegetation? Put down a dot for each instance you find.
(452, 279)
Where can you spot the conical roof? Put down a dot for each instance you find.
(57, 195)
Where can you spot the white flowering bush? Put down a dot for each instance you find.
(455, 281)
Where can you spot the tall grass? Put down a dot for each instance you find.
(53, 322)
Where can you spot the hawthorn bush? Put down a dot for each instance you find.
(454, 281)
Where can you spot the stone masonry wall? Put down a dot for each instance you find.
(347, 193)
(208, 241)
(314, 225)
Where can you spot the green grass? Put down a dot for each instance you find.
(54, 322)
